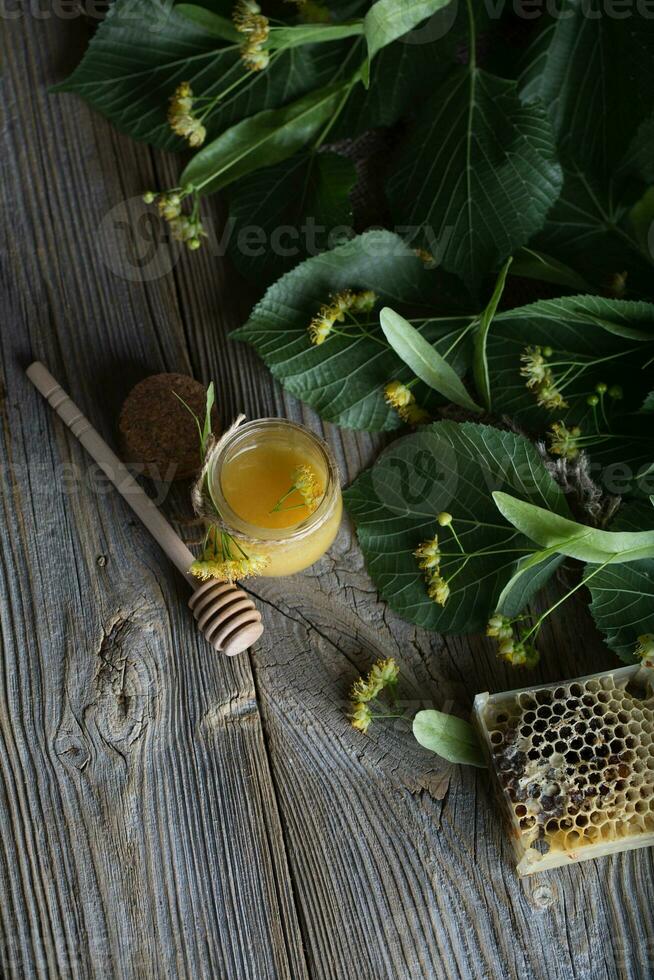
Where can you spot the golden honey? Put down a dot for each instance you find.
(250, 482)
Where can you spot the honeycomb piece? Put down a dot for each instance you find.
(574, 765)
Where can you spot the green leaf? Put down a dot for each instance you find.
(480, 365)
(451, 467)
(283, 213)
(598, 107)
(589, 227)
(404, 73)
(593, 72)
(293, 37)
(610, 341)
(641, 220)
(569, 538)
(387, 20)
(623, 594)
(423, 359)
(143, 49)
(476, 174)
(343, 379)
(264, 139)
(531, 264)
(448, 736)
(213, 23)
(639, 158)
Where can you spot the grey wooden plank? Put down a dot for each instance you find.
(392, 881)
(140, 833)
(388, 879)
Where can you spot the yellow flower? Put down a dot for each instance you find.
(364, 301)
(438, 590)
(321, 326)
(645, 646)
(188, 230)
(398, 395)
(518, 654)
(169, 206)
(499, 626)
(414, 414)
(340, 303)
(334, 312)
(255, 60)
(540, 378)
(534, 366)
(361, 717)
(228, 569)
(564, 441)
(181, 118)
(306, 483)
(249, 20)
(428, 554)
(550, 397)
(383, 673)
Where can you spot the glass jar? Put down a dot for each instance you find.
(252, 472)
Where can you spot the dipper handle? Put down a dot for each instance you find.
(230, 625)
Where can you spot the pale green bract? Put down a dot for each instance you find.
(479, 362)
(448, 736)
(572, 539)
(423, 359)
(263, 139)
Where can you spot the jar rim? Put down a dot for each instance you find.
(233, 522)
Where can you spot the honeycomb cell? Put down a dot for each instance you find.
(576, 764)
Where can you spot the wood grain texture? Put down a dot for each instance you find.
(168, 813)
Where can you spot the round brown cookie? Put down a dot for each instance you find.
(157, 432)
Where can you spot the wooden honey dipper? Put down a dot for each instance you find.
(226, 616)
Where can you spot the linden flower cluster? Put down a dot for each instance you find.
(540, 378)
(429, 560)
(305, 482)
(334, 312)
(564, 441)
(383, 674)
(401, 398)
(249, 20)
(515, 650)
(223, 559)
(181, 117)
(185, 228)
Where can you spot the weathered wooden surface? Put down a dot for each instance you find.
(164, 811)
